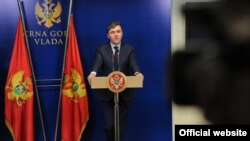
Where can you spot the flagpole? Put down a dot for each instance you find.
(32, 69)
(62, 76)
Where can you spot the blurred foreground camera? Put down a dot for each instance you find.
(215, 75)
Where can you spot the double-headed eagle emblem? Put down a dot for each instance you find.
(48, 13)
(19, 88)
(116, 81)
(74, 87)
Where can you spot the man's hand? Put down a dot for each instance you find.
(140, 75)
(91, 75)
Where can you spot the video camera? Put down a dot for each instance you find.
(215, 75)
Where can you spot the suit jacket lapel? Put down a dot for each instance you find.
(122, 51)
(109, 51)
(109, 55)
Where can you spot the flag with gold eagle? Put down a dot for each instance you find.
(75, 112)
(19, 97)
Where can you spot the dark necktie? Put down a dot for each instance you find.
(116, 59)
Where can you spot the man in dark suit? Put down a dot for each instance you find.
(104, 64)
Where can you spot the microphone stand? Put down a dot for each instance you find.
(116, 116)
(116, 106)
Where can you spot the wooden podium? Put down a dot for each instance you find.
(116, 82)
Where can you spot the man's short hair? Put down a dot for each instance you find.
(113, 24)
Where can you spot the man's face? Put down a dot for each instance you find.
(115, 35)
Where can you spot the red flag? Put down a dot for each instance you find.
(19, 97)
(75, 112)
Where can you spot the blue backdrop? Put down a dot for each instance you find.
(146, 25)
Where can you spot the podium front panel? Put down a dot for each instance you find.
(101, 82)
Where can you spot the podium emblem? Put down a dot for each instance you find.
(116, 81)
